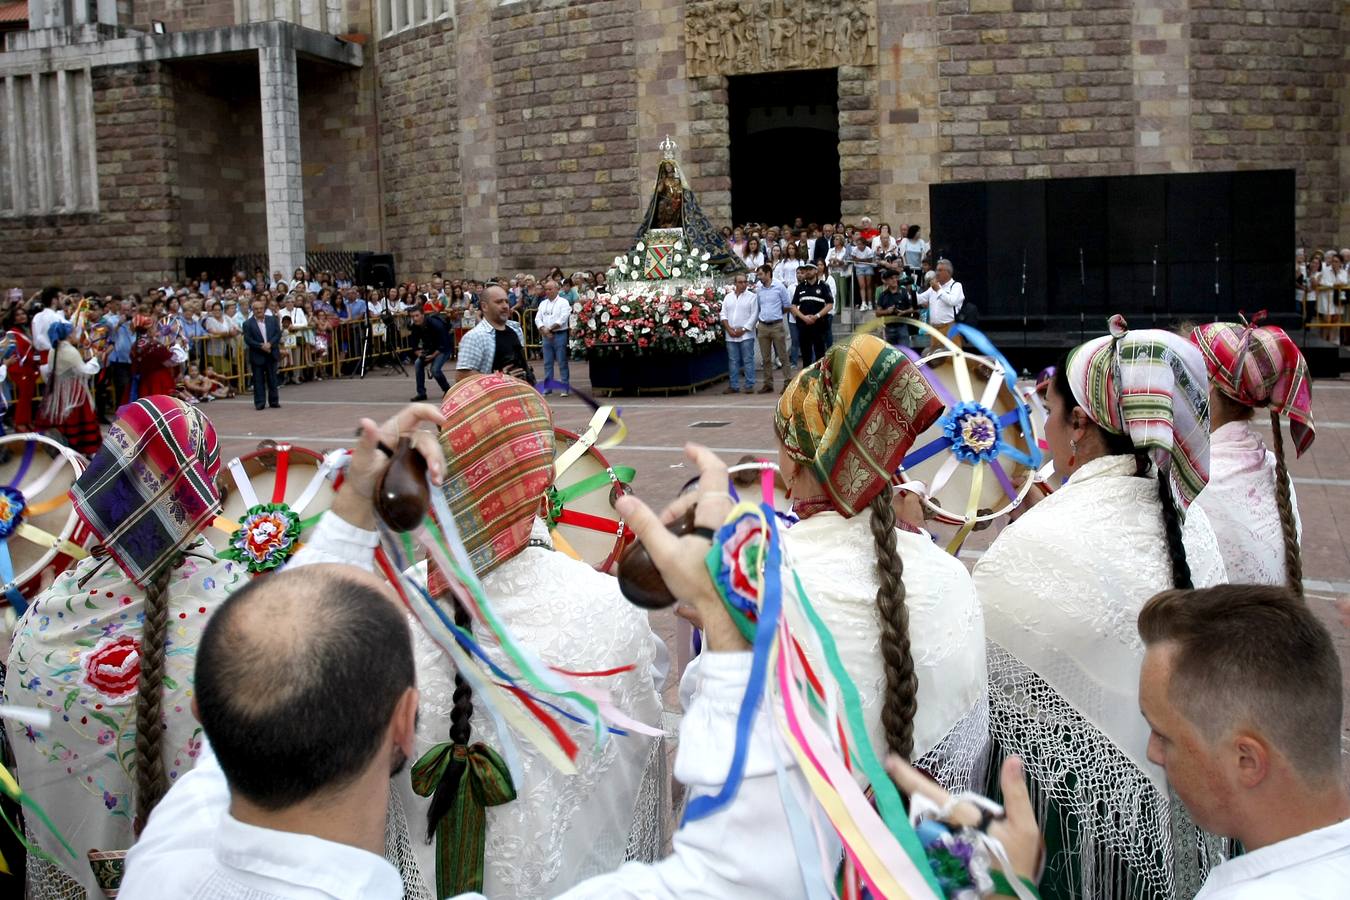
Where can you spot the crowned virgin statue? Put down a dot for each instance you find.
(673, 215)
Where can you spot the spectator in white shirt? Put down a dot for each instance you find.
(944, 298)
(913, 248)
(49, 315)
(553, 318)
(785, 270)
(740, 312)
(753, 257)
(1241, 687)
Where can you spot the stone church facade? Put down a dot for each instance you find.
(482, 137)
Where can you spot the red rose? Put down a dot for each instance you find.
(113, 667)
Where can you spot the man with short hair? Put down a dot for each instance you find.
(944, 298)
(434, 345)
(262, 336)
(739, 314)
(892, 302)
(1241, 688)
(775, 303)
(496, 343)
(51, 313)
(820, 248)
(812, 304)
(553, 318)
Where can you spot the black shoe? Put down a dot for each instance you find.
(260, 407)
(275, 405)
(420, 398)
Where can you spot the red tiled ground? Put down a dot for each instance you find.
(324, 415)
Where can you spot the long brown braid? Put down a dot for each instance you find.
(152, 780)
(461, 729)
(902, 684)
(1293, 558)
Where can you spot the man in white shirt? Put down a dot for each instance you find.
(740, 312)
(1241, 687)
(944, 298)
(553, 318)
(49, 315)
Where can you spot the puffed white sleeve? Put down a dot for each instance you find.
(743, 850)
(335, 540)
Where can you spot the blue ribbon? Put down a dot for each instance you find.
(766, 628)
(982, 343)
(29, 448)
(12, 594)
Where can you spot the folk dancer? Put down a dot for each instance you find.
(1127, 421)
(1250, 497)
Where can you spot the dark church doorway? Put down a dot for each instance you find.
(784, 129)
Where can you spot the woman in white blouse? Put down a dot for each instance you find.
(753, 257)
(785, 271)
(840, 269)
(913, 248)
(1332, 275)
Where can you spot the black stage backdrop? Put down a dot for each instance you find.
(1153, 247)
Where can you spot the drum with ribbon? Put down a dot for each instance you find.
(579, 507)
(39, 531)
(271, 499)
(979, 459)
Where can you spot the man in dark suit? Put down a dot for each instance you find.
(262, 336)
(821, 245)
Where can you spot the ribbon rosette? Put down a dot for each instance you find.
(12, 504)
(268, 535)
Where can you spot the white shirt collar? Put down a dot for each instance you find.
(302, 860)
(1279, 864)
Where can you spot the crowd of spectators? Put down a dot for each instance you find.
(1321, 283)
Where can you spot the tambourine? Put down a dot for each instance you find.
(271, 500)
(579, 507)
(39, 530)
(980, 457)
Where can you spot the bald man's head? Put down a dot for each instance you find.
(298, 676)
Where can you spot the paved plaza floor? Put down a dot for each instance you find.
(324, 415)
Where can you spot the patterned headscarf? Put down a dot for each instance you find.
(1260, 366)
(151, 489)
(852, 416)
(1149, 384)
(499, 448)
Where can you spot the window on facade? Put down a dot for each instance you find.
(400, 15)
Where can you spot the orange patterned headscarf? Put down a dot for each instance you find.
(853, 416)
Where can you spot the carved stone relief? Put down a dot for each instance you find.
(735, 37)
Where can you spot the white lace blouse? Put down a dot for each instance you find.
(1240, 503)
(836, 561)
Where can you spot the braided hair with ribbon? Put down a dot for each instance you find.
(1252, 367)
(850, 419)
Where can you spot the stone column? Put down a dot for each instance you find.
(908, 128)
(1160, 41)
(285, 194)
(479, 253)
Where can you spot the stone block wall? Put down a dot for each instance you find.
(222, 209)
(1035, 88)
(339, 158)
(1267, 89)
(182, 15)
(418, 140)
(133, 240)
(566, 93)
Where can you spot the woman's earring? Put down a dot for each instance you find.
(1073, 453)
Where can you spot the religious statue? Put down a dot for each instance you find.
(669, 197)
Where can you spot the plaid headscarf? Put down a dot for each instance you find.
(1260, 366)
(1149, 384)
(151, 489)
(499, 448)
(853, 415)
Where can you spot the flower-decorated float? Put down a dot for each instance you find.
(660, 329)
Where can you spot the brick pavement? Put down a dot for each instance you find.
(324, 415)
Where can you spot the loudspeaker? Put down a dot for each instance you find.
(375, 270)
